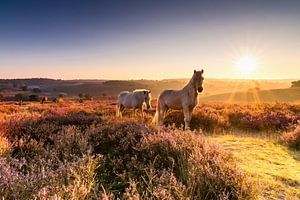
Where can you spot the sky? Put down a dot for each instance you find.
(137, 39)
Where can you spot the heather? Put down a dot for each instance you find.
(292, 138)
(216, 117)
(75, 150)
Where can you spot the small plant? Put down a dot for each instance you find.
(292, 139)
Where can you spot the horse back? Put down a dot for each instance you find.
(171, 98)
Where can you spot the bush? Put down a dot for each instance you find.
(80, 155)
(296, 83)
(292, 139)
(22, 97)
(202, 167)
(24, 88)
(34, 97)
(166, 165)
(84, 96)
(36, 90)
(218, 117)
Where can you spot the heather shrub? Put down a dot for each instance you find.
(218, 117)
(205, 170)
(205, 120)
(79, 181)
(119, 137)
(68, 151)
(261, 121)
(72, 180)
(292, 139)
(166, 165)
(40, 127)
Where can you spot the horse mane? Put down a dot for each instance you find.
(140, 90)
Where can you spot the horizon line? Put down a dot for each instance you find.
(99, 79)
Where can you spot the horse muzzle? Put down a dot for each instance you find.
(200, 89)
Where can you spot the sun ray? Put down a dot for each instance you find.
(233, 93)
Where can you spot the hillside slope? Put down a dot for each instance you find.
(98, 88)
(291, 95)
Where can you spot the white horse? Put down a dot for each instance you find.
(134, 100)
(184, 99)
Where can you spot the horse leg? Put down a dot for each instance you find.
(187, 118)
(161, 115)
(142, 110)
(134, 112)
(121, 109)
(118, 110)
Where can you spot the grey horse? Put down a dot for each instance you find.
(184, 99)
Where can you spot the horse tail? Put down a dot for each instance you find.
(156, 117)
(118, 107)
(117, 110)
(154, 120)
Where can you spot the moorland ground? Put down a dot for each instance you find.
(73, 150)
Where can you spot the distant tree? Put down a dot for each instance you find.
(15, 84)
(24, 87)
(22, 97)
(84, 96)
(296, 83)
(36, 90)
(81, 95)
(34, 97)
(88, 97)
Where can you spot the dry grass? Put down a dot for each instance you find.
(276, 166)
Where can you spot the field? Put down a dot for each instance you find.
(72, 150)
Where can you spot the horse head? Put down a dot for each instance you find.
(147, 97)
(198, 80)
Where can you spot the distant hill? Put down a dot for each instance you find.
(98, 88)
(291, 95)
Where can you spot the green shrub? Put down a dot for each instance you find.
(34, 97)
(22, 97)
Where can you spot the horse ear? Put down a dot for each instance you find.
(195, 71)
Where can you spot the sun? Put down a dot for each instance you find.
(247, 65)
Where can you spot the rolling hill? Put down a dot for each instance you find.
(98, 88)
(291, 95)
